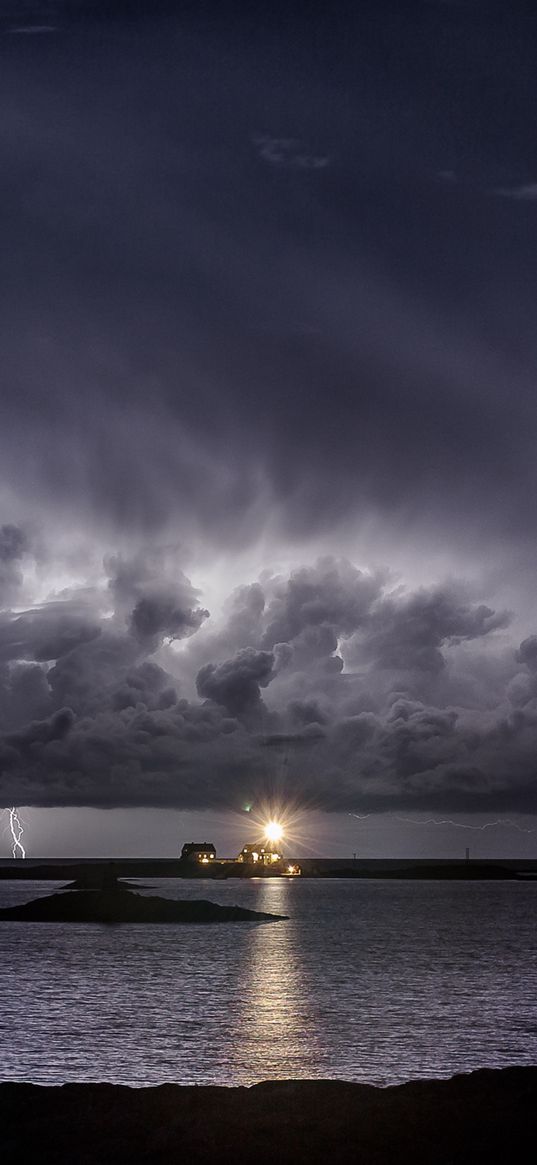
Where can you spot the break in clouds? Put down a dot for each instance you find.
(268, 296)
(334, 687)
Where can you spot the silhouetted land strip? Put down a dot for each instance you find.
(117, 905)
(311, 867)
(483, 1118)
(463, 871)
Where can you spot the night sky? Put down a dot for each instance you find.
(268, 423)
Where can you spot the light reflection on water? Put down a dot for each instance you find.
(376, 981)
(273, 1023)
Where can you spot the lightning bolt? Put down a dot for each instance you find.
(507, 822)
(17, 830)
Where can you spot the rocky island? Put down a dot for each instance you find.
(114, 904)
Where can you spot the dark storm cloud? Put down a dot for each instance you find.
(332, 595)
(87, 678)
(146, 684)
(157, 607)
(527, 652)
(46, 633)
(41, 732)
(409, 634)
(236, 683)
(158, 616)
(267, 284)
(299, 618)
(117, 730)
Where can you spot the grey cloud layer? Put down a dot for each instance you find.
(201, 339)
(325, 684)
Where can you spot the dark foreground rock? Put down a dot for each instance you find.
(482, 1118)
(118, 905)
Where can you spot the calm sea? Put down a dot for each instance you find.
(373, 981)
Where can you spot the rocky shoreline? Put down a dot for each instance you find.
(484, 1117)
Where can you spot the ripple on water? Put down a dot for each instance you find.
(370, 981)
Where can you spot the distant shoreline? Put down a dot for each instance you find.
(486, 1116)
(65, 869)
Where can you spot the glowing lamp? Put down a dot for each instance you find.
(273, 831)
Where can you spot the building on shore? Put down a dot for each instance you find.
(202, 852)
(267, 857)
(255, 860)
(260, 855)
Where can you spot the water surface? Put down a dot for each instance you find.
(374, 981)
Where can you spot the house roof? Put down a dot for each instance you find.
(192, 845)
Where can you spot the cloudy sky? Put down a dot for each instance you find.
(268, 424)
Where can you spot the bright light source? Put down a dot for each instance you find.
(273, 831)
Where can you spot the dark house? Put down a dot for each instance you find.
(198, 851)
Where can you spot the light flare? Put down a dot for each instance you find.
(276, 821)
(273, 831)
